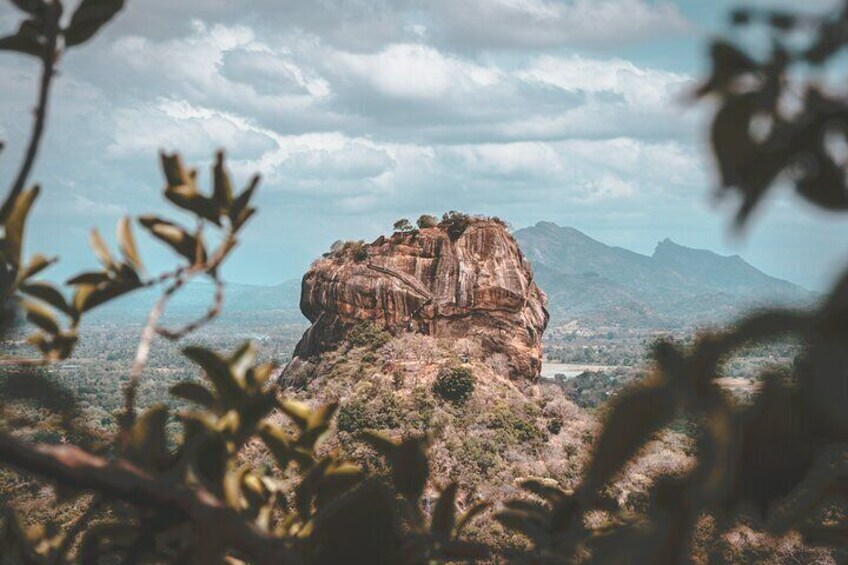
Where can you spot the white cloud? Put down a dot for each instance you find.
(551, 23)
(416, 72)
(404, 91)
(637, 86)
(225, 67)
(530, 161)
(177, 125)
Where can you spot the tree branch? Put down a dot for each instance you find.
(70, 466)
(76, 529)
(152, 327)
(211, 314)
(48, 72)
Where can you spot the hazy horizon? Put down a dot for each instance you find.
(514, 229)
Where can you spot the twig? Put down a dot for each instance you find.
(48, 71)
(211, 314)
(151, 328)
(73, 467)
(76, 529)
(143, 353)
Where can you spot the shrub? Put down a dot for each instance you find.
(427, 221)
(358, 415)
(398, 379)
(358, 250)
(353, 417)
(516, 428)
(455, 384)
(456, 223)
(422, 405)
(368, 334)
(403, 225)
(388, 412)
(480, 453)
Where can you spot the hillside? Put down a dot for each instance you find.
(600, 285)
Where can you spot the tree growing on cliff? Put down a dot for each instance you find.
(403, 226)
(427, 221)
(455, 223)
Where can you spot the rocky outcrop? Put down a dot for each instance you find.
(464, 278)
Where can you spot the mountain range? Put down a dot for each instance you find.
(596, 284)
(587, 282)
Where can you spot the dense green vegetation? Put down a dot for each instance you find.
(455, 384)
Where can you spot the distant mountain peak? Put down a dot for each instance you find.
(675, 284)
(545, 225)
(668, 251)
(552, 227)
(670, 247)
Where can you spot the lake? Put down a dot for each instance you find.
(551, 369)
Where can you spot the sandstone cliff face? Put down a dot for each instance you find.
(440, 281)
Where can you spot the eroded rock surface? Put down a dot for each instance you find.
(470, 281)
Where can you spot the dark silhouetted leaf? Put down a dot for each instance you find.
(634, 416)
(100, 249)
(148, 443)
(740, 17)
(383, 445)
(48, 293)
(728, 64)
(27, 40)
(217, 370)
(29, 6)
(93, 278)
(240, 211)
(88, 18)
(338, 479)
(469, 516)
(196, 393)
(16, 223)
(211, 462)
(41, 317)
(775, 447)
(223, 190)
(126, 241)
(549, 494)
(783, 21)
(444, 515)
(176, 237)
(410, 469)
(36, 264)
(279, 443)
(299, 412)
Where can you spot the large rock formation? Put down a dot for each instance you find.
(464, 278)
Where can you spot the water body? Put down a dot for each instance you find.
(551, 370)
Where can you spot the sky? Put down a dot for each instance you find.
(360, 112)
